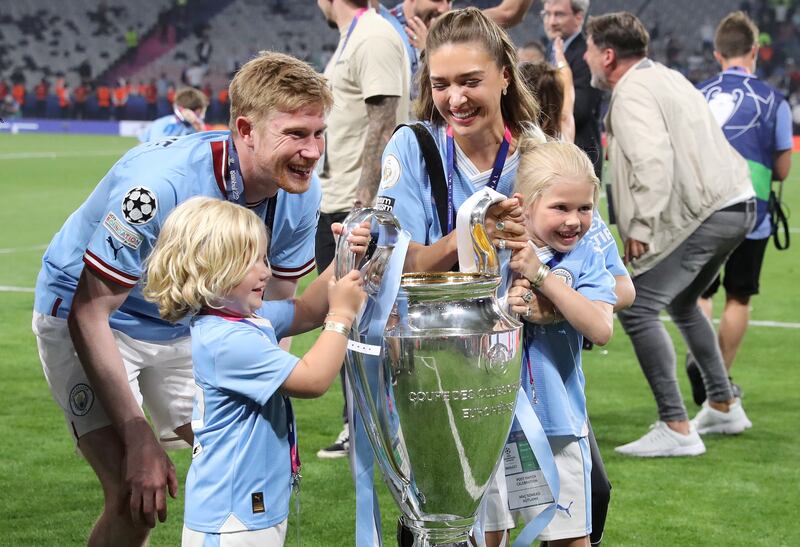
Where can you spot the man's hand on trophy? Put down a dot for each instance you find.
(504, 224)
(531, 306)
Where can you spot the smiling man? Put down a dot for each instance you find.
(104, 349)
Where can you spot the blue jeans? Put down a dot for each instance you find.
(674, 284)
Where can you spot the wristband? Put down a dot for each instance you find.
(335, 326)
(541, 274)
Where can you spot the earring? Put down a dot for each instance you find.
(505, 91)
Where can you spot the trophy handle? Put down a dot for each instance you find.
(372, 270)
(486, 259)
(365, 381)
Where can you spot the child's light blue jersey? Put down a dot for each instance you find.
(240, 477)
(600, 236)
(114, 230)
(166, 126)
(405, 188)
(552, 374)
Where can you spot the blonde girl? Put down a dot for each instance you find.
(559, 266)
(210, 265)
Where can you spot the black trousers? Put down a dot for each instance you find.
(601, 491)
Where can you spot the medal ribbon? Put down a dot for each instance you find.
(494, 178)
(234, 186)
(291, 429)
(350, 30)
(234, 182)
(527, 331)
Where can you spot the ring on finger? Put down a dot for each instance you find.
(501, 244)
(501, 226)
(527, 297)
(527, 311)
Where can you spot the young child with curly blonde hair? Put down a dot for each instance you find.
(210, 264)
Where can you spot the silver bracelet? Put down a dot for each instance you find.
(541, 274)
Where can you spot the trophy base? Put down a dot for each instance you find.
(445, 531)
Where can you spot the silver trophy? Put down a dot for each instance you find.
(438, 403)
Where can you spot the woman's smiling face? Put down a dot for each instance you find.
(467, 86)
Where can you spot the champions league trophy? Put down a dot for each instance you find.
(438, 401)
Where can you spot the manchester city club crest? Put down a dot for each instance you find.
(564, 275)
(390, 172)
(81, 399)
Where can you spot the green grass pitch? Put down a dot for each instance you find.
(742, 492)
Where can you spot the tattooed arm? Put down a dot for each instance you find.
(381, 119)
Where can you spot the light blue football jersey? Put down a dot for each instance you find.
(166, 126)
(241, 471)
(552, 375)
(114, 230)
(405, 188)
(600, 236)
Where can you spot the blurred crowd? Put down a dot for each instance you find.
(82, 89)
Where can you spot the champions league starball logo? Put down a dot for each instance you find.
(139, 205)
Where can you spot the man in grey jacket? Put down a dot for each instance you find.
(683, 201)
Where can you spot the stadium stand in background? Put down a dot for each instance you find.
(202, 42)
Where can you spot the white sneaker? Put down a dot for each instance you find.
(340, 447)
(710, 420)
(661, 441)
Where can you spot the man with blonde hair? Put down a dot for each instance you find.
(104, 349)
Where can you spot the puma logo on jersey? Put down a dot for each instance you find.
(115, 249)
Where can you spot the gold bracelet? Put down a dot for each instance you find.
(335, 326)
(541, 274)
